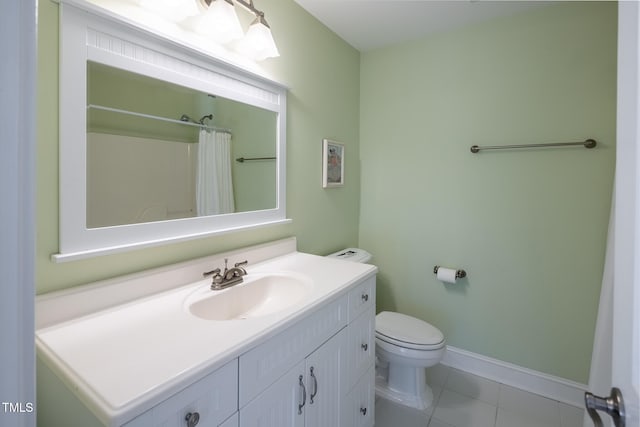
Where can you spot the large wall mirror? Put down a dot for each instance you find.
(160, 143)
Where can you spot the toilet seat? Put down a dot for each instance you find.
(408, 332)
(410, 346)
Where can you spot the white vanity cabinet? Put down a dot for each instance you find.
(132, 362)
(308, 395)
(332, 385)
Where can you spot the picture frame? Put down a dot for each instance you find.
(332, 164)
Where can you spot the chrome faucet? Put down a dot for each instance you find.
(228, 278)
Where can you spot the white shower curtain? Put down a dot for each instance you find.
(214, 189)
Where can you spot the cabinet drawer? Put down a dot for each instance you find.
(264, 364)
(214, 398)
(359, 408)
(361, 342)
(362, 297)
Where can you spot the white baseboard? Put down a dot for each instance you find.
(550, 386)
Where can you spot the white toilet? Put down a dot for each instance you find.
(405, 347)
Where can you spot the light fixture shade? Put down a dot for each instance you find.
(174, 10)
(258, 43)
(220, 22)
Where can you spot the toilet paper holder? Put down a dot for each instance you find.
(459, 273)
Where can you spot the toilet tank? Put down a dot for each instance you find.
(352, 254)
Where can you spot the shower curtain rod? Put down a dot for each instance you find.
(149, 116)
(589, 143)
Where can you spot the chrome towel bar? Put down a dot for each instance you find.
(589, 143)
(251, 159)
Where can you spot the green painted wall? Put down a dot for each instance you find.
(323, 102)
(528, 226)
(254, 135)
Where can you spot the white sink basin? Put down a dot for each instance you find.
(257, 296)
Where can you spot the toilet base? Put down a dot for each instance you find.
(412, 390)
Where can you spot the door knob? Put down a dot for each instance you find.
(612, 405)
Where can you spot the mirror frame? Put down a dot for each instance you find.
(92, 34)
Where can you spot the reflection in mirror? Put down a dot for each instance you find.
(155, 154)
(135, 184)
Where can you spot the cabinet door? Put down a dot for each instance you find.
(263, 365)
(327, 381)
(283, 404)
(359, 406)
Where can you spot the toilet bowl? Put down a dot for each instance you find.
(405, 347)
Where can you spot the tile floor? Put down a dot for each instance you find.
(465, 400)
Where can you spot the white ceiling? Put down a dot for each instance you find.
(370, 24)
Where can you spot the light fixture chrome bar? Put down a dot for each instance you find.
(589, 143)
(150, 116)
(246, 4)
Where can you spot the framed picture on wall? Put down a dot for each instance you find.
(332, 164)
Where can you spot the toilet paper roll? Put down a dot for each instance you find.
(447, 275)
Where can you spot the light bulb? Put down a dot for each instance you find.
(258, 43)
(220, 22)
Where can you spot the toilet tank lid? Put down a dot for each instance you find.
(352, 254)
(401, 327)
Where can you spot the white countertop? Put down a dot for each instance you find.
(123, 360)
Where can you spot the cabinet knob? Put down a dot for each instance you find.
(192, 419)
(364, 347)
(365, 297)
(363, 411)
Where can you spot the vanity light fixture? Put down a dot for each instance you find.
(258, 43)
(218, 21)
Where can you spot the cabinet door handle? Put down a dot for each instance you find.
(304, 395)
(365, 297)
(363, 411)
(315, 386)
(364, 347)
(192, 419)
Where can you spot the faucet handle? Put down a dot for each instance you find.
(240, 265)
(212, 272)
